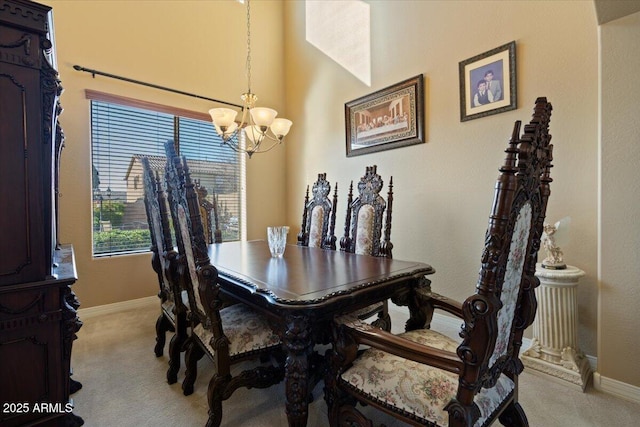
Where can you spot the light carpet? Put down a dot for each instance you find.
(124, 385)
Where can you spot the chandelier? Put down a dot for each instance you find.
(258, 124)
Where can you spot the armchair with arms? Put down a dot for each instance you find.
(426, 378)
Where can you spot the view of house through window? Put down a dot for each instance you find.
(120, 136)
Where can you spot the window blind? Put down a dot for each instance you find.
(122, 134)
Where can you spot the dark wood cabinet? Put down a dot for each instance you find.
(38, 319)
(29, 91)
(38, 323)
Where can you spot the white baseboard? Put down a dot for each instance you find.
(87, 313)
(616, 388)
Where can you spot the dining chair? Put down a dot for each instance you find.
(226, 334)
(423, 377)
(363, 231)
(172, 301)
(319, 216)
(172, 316)
(209, 213)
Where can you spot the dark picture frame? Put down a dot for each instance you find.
(497, 69)
(392, 117)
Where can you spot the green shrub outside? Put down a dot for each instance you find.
(114, 241)
(110, 211)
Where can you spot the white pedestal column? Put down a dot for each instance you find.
(554, 349)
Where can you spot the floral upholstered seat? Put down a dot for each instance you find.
(247, 331)
(418, 390)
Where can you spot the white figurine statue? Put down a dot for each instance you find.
(551, 237)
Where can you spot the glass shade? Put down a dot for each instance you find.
(263, 116)
(223, 117)
(230, 130)
(280, 127)
(254, 134)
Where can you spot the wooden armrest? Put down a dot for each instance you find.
(363, 333)
(442, 302)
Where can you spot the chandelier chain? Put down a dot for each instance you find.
(257, 123)
(248, 46)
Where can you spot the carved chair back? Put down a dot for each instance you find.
(209, 214)
(161, 242)
(319, 216)
(195, 269)
(363, 230)
(504, 304)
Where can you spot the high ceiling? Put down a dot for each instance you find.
(609, 10)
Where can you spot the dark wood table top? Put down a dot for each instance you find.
(301, 292)
(306, 276)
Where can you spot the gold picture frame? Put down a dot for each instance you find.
(392, 117)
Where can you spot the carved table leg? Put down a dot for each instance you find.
(417, 298)
(298, 344)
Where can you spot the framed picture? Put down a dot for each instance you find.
(488, 83)
(389, 118)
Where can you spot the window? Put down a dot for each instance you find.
(123, 131)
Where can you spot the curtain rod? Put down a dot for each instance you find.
(126, 79)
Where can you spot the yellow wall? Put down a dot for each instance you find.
(444, 188)
(620, 209)
(193, 46)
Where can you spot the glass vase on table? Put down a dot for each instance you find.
(277, 239)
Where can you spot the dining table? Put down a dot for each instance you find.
(302, 292)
